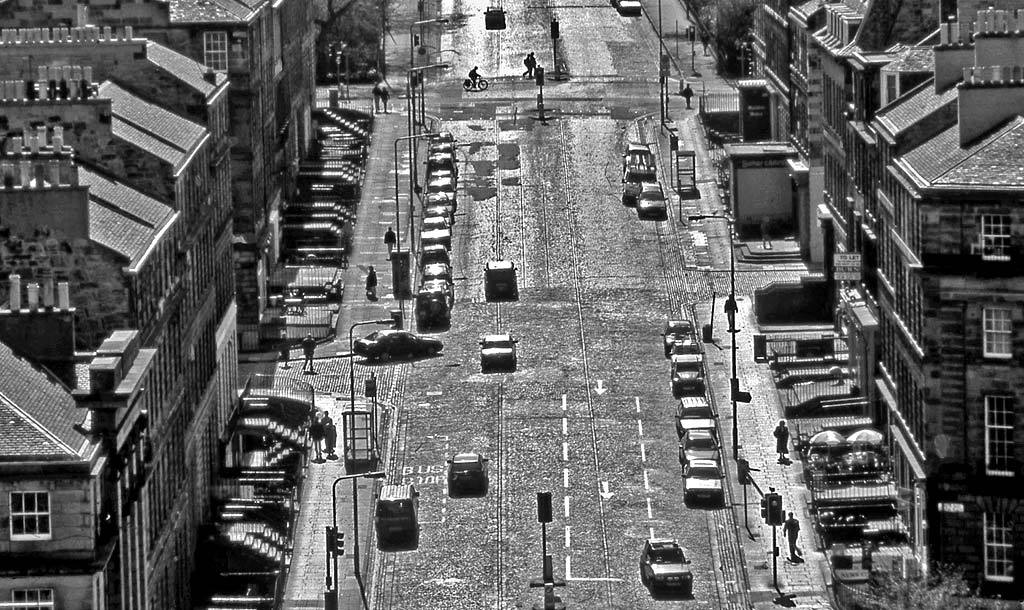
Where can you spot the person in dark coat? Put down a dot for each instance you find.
(531, 64)
(316, 434)
(330, 436)
(687, 94)
(390, 239)
(791, 528)
(371, 284)
(308, 349)
(782, 441)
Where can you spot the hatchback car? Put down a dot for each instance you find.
(441, 184)
(435, 253)
(467, 473)
(441, 161)
(629, 8)
(385, 344)
(651, 203)
(437, 236)
(687, 375)
(638, 167)
(498, 354)
(699, 444)
(686, 346)
(676, 330)
(702, 480)
(694, 407)
(664, 566)
(435, 222)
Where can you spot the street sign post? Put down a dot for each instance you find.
(846, 266)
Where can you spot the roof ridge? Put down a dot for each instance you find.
(982, 143)
(32, 421)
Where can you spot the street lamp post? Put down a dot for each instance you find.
(411, 90)
(412, 56)
(398, 235)
(730, 310)
(331, 553)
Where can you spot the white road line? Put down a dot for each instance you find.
(651, 531)
(567, 536)
(565, 426)
(643, 452)
(567, 507)
(565, 403)
(647, 482)
(568, 571)
(565, 478)
(640, 427)
(650, 511)
(637, 398)
(565, 452)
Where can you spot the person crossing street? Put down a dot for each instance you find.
(531, 63)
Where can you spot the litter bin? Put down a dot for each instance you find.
(707, 334)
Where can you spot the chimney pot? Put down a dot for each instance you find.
(128, 32)
(15, 292)
(16, 145)
(33, 296)
(54, 167)
(26, 173)
(48, 293)
(63, 302)
(106, 33)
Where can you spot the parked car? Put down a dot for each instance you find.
(686, 346)
(639, 166)
(441, 184)
(437, 236)
(435, 222)
(467, 473)
(676, 330)
(688, 375)
(651, 203)
(693, 423)
(702, 480)
(694, 407)
(435, 253)
(699, 444)
(437, 272)
(441, 161)
(498, 353)
(664, 566)
(385, 344)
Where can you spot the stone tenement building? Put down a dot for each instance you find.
(127, 266)
(267, 51)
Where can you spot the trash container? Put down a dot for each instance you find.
(707, 333)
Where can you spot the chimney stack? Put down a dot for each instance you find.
(15, 292)
(63, 301)
(48, 293)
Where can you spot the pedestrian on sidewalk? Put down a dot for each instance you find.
(382, 92)
(330, 436)
(376, 98)
(308, 349)
(687, 94)
(316, 434)
(531, 63)
(371, 284)
(390, 239)
(782, 442)
(766, 225)
(704, 40)
(791, 528)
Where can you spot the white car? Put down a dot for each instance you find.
(629, 7)
(651, 203)
(702, 480)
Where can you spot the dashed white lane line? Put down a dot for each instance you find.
(640, 427)
(565, 426)
(643, 452)
(650, 512)
(637, 399)
(651, 533)
(568, 536)
(567, 508)
(565, 451)
(565, 403)
(647, 482)
(565, 478)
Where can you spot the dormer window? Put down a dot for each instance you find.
(215, 50)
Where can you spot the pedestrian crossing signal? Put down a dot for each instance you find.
(774, 516)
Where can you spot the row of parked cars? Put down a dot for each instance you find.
(640, 186)
(435, 295)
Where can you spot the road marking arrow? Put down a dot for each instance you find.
(604, 491)
(600, 389)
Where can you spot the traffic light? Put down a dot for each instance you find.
(494, 18)
(764, 508)
(335, 541)
(543, 507)
(554, 29)
(664, 65)
(690, 34)
(371, 386)
(743, 471)
(539, 74)
(396, 318)
(774, 509)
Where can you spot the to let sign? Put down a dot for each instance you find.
(847, 266)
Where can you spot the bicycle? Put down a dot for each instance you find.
(481, 84)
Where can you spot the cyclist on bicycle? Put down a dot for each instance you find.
(474, 76)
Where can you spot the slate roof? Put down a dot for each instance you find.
(152, 128)
(186, 69)
(916, 104)
(913, 59)
(210, 11)
(991, 161)
(810, 7)
(37, 414)
(122, 218)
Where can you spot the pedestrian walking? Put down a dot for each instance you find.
(704, 40)
(782, 441)
(316, 434)
(390, 239)
(330, 436)
(308, 349)
(531, 63)
(383, 94)
(687, 94)
(376, 98)
(371, 284)
(791, 528)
